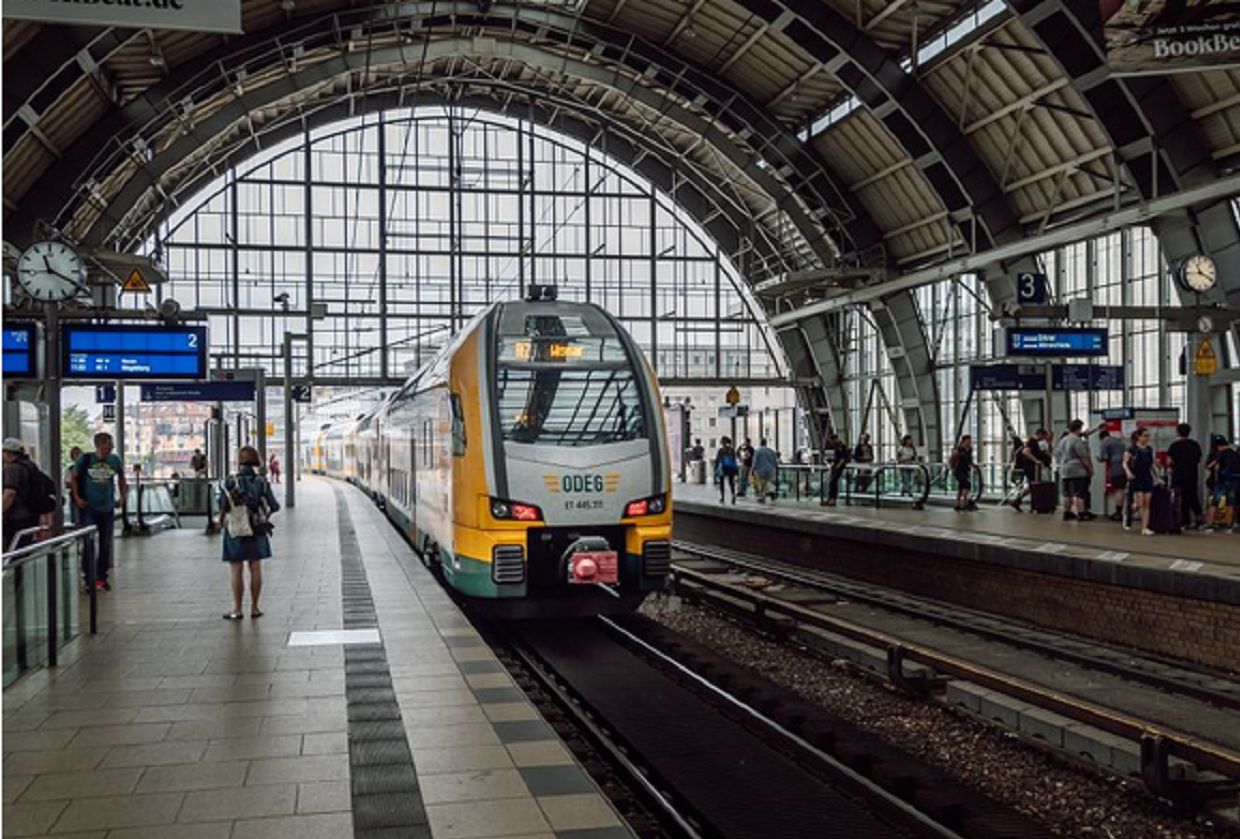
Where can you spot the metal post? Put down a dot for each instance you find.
(290, 498)
(53, 559)
(51, 346)
(121, 447)
(260, 409)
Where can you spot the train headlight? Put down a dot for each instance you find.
(514, 511)
(651, 506)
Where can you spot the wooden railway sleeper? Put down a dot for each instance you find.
(922, 683)
(1180, 784)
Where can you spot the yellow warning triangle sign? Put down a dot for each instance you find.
(136, 282)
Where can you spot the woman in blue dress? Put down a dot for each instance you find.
(1139, 466)
(252, 489)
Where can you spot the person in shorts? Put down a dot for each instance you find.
(961, 462)
(1111, 455)
(1076, 470)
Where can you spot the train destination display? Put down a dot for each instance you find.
(1056, 342)
(19, 350)
(93, 351)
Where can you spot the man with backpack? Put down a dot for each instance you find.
(29, 495)
(95, 498)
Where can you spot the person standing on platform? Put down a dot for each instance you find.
(1076, 469)
(19, 503)
(1184, 458)
(1032, 459)
(726, 467)
(198, 463)
(273, 469)
(1224, 468)
(906, 456)
(961, 462)
(1111, 453)
(863, 453)
(74, 454)
(744, 454)
(95, 497)
(249, 490)
(765, 469)
(698, 451)
(834, 451)
(1139, 466)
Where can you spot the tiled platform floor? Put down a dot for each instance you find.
(1191, 551)
(175, 724)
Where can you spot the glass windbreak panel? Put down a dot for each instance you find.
(569, 406)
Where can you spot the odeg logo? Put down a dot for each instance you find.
(582, 483)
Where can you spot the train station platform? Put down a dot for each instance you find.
(362, 703)
(1177, 595)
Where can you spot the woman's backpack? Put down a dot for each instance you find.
(246, 516)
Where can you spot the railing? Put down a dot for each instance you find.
(856, 483)
(943, 481)
(40, 601)
(151, 507)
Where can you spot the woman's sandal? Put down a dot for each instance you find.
(256, 614)
(233, 616)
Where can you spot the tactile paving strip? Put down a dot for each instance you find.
(383, 781)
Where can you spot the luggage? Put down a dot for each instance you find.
(1166, 512)
(1042, 497)
(1222, 514)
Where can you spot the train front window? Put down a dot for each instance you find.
(569, 405)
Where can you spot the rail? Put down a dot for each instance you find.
(1157, 742)
(40, 601)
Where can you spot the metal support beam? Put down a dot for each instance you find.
(1141, 213)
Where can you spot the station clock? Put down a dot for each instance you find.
(50, 271)
(1197, 274)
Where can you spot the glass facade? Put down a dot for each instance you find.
(399, 227)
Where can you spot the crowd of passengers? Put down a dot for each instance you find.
(1143, 491)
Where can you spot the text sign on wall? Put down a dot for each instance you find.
(134, 352)
(199, 392)
(1164, 37)
(1037, 341)
(20, 351)
(198, 15)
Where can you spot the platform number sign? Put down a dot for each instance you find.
(301, 393)
(1031, 288)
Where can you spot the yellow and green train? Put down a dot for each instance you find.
(527, 461)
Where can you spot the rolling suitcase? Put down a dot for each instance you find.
(1166, 515)
(1042, 497)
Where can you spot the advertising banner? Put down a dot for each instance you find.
(1167, 36)
(198, 15)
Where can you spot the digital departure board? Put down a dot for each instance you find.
(93, 351)
(20, 350)
(1057, 342)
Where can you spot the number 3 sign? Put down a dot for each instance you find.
(1031, 288)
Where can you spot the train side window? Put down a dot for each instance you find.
(458, 427)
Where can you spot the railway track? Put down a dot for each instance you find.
(1214, 688)
(920, 669)
(718, 750)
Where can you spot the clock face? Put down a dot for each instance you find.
(50, 271)
(1199, 274)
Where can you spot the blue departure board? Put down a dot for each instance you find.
(110, 351)
(20, 350)
(1056, 342)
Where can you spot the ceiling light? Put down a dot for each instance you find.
(288, 5)
(156, 59)
(689, 32)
